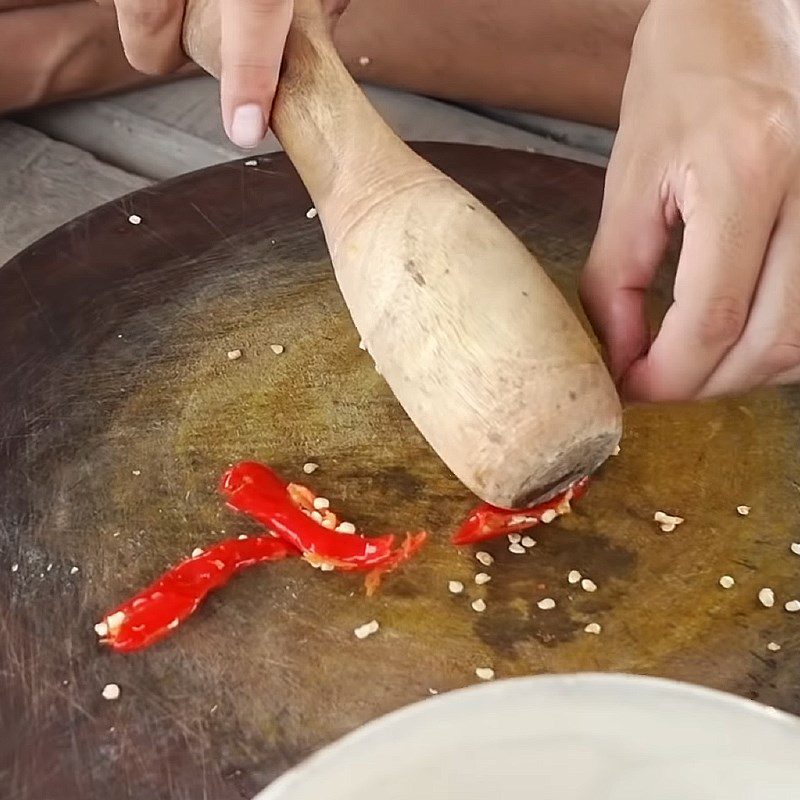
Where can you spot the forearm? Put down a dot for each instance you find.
(54, 52)
(565, 59)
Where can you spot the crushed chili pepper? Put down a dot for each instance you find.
(487, 521)
(255, 490)
(154, 612)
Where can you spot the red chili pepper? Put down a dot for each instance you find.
(157, 610)
(488, 522)
(257, 491)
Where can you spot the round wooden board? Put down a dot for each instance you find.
(120, 409)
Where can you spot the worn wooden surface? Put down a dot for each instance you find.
(163, 131)
(114, 361)
(44, 183)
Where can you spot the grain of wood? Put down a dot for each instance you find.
(44, 183)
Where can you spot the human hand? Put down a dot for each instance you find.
(253, 36)
(709, 134)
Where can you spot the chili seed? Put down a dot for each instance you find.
(311, 213)
(793, 606)
(482, 577)
(548, 516)
(363, 60)
(345, 527)
(277, 348)
(528, 542)
(135, 219)
(101, 629)
(773, 647)
(588, 585)
(795, 548)
(367, 629)
(514, 538)
(111, 691)
(574, 577)
(234, 355)
(309, 467)
(456, 587)
(478, 605)
(198, 551)
(726, 582)
(743, 511)
(484, 558)
(485, 673)
(73, 570)
(517, 549)
(546, 603)
(766, 597)
(593, 627)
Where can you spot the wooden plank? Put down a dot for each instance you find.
(171, 129)
(44, 183)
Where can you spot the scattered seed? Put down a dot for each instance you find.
(136, 472)
(135, 219)
(482, 577)
(484, 558)
(743, 511)
(14, 567)
(276, 348)
(234, 355)
(548, 516)
(111, 691)
(793, 606)
(795, 548)
(310, 467)
(198, 551)
(773, 647)
(456, 587)
(433, 691)
(240, 536)
(617, 450)
(363, 60)
(546, 603)
(766, 597)
(726, 582)
(251, 163)
(49, 567)
(516, 549)
(322, 503)
(485, 673)
(593, 627)
(101, 629)
(367, 629)
(574, 577)
(345, 527)
(478, 605)
(588, 585)
(514, 538)
(311, 213)
(528, 542)
(316, 516)
(667, 522)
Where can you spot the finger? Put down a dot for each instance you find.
(727, 227)
(626, 252)
(253, 37)
(769, 349)
(151, 34)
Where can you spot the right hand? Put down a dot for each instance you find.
(252, 42)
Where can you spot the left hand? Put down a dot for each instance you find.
(709, 134)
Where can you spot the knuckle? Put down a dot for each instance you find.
(722, 322)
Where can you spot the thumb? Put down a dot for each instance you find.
(628, 247)
(253, 37)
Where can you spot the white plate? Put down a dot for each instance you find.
(565, 737)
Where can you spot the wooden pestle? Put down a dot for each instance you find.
(476, 342)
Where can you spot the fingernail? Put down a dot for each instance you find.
(247, 126)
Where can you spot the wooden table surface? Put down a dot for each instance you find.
(114, 363)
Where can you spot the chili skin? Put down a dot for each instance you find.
(488, 522)
(157, 610)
